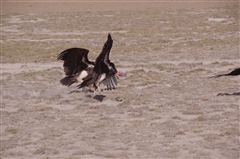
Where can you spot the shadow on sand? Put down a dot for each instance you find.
(75, 91)
(99, 97)
(229, 94)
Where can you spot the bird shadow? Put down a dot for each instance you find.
(229, 94)
(75, 91)
(99, 97)
(79, 91)
(96, 97)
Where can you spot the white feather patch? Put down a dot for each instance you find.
(82, 75)
(103, 76)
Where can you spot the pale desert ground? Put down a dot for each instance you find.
(165, 107)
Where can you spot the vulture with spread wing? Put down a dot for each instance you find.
(76, 65)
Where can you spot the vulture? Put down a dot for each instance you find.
(235, 72)
(79, 69)
(76, 65)
(104, 71)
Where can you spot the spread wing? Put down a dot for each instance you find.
(110, 81)
(100, 64)
(75, 60)
(110, 65)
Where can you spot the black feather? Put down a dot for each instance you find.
(75, 61)
(235, 72)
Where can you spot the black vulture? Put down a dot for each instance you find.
(76, 65)
(104, 71)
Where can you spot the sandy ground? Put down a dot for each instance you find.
(165, 107)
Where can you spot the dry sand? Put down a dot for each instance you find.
(166, 106)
